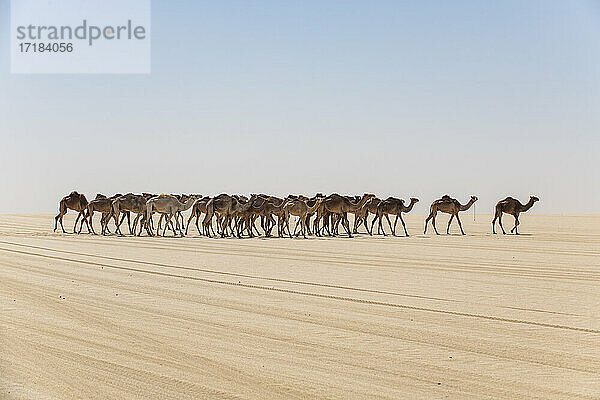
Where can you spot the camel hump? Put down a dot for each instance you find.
(446, 197)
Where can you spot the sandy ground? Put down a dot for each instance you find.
(424, 317)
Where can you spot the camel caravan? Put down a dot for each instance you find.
(238, 215)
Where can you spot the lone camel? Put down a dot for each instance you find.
(450, 206)
(513, 207)
(76, 202)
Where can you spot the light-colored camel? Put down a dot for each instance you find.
(393, 206)
(169, 206)
(450, 206)
(302, 210)
(336, 204)
(134, 203)
(513, 207)
(76, 202)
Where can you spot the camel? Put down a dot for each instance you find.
(225, 205)
(76, 202)
(361, 215)
(273, 206)
(198, 208)
(336, 204)
(451, 206)
(513, 207)
(302, 210)
(134, 203)
(242, 212)
(170, 207)
(101, 204)
(395, 207)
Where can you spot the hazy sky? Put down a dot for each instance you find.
(396, 98)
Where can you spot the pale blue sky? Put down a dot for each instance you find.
(397, 98)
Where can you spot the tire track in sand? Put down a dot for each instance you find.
(304, 293)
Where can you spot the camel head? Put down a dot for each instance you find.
(414, 200)
(474, 199)
(533, 199)
(100, 196)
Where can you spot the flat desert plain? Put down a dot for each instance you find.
(425, 317)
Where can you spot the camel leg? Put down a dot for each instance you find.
(433, 223)
(76, 220)
(117, 223)
(500, 222)
(346, 223)
(449, 222)
(59, 216)
(197, 227)
(380, 227)
(296, 233)
(192, 215)
(129, 221)
(460, 224)
(516, 224)
(395, 222)
(90, 216)
(86, 223)
(104, 222)
(287, 224)
(166, 223)
(494, 222)
(390, 225)
(135, 223)
(403, 224)
(430, 216)
(303, 222)
(372, 224)
(122, 219)
(356, 223)
(159, 225)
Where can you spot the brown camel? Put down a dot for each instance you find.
(361, 215)
(198, 209)
(336, 204)
(134, 203)
(395, 207)
(273, 207)
(101, 204)
(451, 206)
(242, 213)
(226, 206)
(76, 202)
(513, 207)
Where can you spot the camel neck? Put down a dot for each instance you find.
(410, 206)
(466, 206)
(527, 206)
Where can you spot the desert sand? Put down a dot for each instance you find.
(425, 317)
